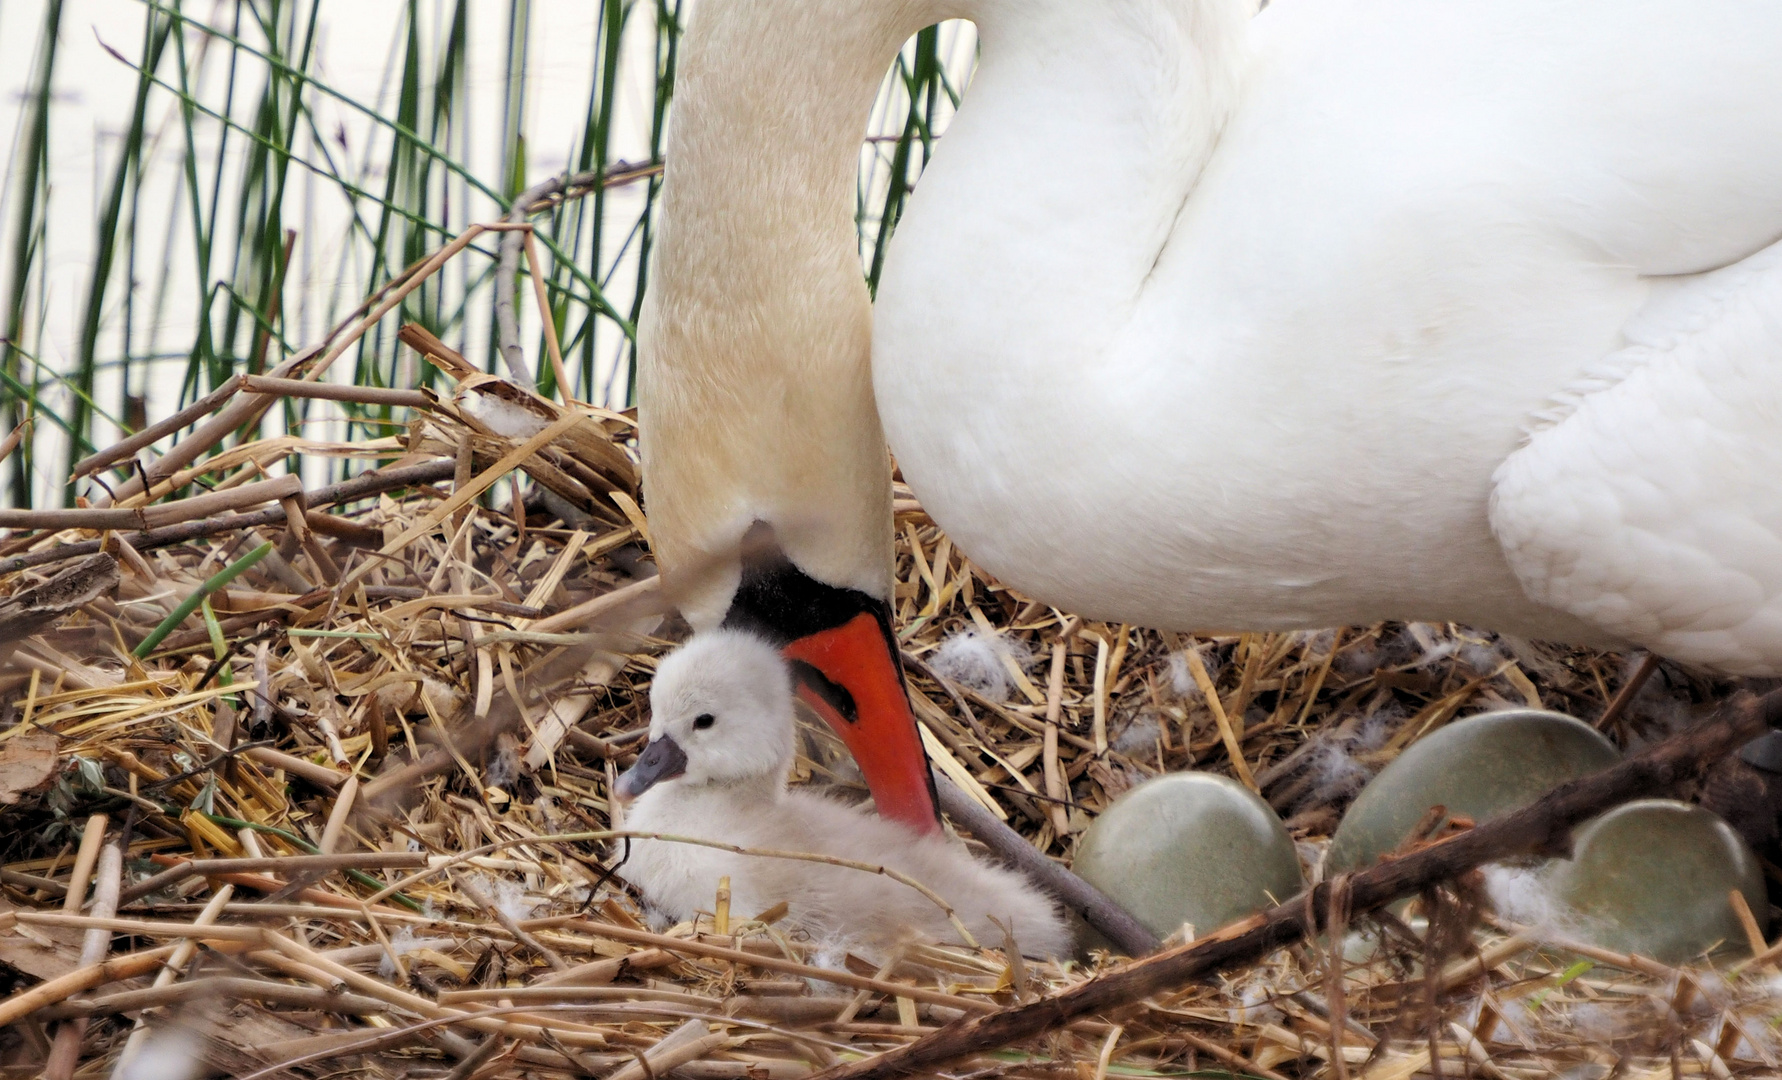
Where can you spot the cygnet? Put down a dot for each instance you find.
(721, 746)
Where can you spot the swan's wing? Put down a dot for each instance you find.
(1650, 502)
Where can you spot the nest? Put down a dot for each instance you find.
(314, 783)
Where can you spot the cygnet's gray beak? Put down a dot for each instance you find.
(662, 760)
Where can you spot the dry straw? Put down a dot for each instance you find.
(359, 744)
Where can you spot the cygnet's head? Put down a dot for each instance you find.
(720, 713)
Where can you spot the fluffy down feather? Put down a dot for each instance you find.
(726, 700)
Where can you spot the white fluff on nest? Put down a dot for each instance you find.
(171, 1052)
(978, 660)
(1525, 895)
(1181, 676)
(1139, 736)
(1333, 761)
(721, 744)
(501, 416)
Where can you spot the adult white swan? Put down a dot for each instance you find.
(1353, 310)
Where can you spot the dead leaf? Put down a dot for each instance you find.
(42, 952)
(28, 761)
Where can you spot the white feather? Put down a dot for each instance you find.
(977, 660)
(1368, 309)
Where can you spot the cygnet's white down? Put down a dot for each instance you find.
(721, 745)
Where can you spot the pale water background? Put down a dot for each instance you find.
(359, 45)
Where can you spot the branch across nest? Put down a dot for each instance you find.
(1542, 828)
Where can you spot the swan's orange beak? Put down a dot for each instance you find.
(851, 675)
(841, 646)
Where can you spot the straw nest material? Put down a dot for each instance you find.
(356, 744)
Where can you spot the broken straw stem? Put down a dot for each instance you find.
(190, 604)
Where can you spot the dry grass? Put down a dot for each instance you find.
(401, 720)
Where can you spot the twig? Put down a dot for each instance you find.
(536, 199)
(182, 955)
(362, 860)
(231, 987)
(1544, 826)
(123, 448)
(524, 1025)
(369, 483)
(774, 963)
(154, 517)
(247, 409)
(553, 347)
(14, 437)
(1624, 696)
(599, 607)
(464, 1070)
(50, 991)
(239, 412)
(1233, 745)
(361, 395)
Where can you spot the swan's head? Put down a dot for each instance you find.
(720, 713)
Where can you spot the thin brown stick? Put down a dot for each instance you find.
(774, 963)
(537, 199)
(52, 520)
(14, 437)
(473, 1063)
(573, 618)
(1053, 771)
(1624, 696)
(552, 346)
(182, 955)
(236, 498)
(410, 284)
(510, 461)
(123, 448)
(1233, 745)
(523, 1025)
(230, 987)
(356, 860)
(296, 766)
(369, 483)
(91, 839)
(1229, 1058)
(360, 395)
(247, 409)
(242, 410)
(1544, 826)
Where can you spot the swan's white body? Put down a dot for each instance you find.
(1358, 309)
(734, 792)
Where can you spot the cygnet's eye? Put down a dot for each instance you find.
(703, 721)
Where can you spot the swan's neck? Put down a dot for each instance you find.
(756, 338)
